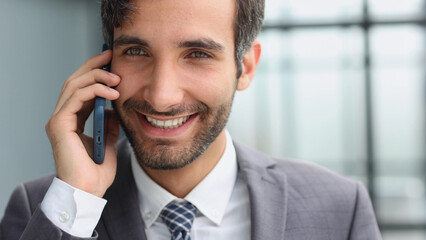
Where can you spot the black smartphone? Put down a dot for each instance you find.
(99, 141)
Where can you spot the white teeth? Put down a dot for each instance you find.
(160, 123)
(173, 123)
(168, 123)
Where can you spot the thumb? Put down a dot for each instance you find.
(112, 133)
(112, 128)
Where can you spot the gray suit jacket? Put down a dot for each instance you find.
(289, 200)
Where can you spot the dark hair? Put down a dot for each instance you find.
(248, 23)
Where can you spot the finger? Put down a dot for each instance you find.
(113, 127)
(84, 114)
(89, 78)
(113, 132)
(95, 62)
(88, 144)
(77, 100)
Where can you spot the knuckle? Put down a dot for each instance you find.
(99, 87)
(50, 126)
(66, 83)
(97, 71)
(89, 61)
(71, 84)
(47, 126)
(99, 75)
(77, 94)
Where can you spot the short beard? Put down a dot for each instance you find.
(161, 154)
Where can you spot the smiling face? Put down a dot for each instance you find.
(176, 62)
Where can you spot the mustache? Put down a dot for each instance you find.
(181, 109)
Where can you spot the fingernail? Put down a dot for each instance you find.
(113, 90)
(113, 75)
(104, 52)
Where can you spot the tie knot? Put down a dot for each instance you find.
(179, 218)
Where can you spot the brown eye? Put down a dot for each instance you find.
(135, 52)
(199, 54)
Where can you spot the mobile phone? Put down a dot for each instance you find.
(99, 141)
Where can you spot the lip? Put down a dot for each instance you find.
(156, 132)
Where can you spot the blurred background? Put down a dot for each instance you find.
(340, 83)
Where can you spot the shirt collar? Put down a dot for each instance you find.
(152, 197)
(210, 196)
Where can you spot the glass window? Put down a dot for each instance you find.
(396, 9)
(398, 76)
(309, 92)
(310, 99)
(285, 11)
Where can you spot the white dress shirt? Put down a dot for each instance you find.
(221, 199)
(71, 209)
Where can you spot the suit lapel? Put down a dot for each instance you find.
(267, 190)
(122, 216)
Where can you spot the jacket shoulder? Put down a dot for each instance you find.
(318, 201)
(325, 199)
(303, 172)
(297, 172)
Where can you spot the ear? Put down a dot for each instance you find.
(250, 61)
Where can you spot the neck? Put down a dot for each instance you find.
(180, 182)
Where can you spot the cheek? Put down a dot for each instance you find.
(131, 83)
(212, 88)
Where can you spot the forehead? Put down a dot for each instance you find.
(179, 19)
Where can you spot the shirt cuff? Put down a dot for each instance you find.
(72, 210)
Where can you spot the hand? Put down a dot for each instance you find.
(73, 150)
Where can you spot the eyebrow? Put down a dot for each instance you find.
(205, 43)
(127, 40)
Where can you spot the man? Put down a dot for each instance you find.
(175, 66)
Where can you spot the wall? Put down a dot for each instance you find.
(41, 43)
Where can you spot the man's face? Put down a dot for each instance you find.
(176, 62)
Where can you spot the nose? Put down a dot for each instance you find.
(164, 89)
